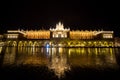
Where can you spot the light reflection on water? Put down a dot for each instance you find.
(60, 59)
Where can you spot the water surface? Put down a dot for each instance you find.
(59, 62)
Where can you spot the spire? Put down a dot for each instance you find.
(59, 26)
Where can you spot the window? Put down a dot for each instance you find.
(107, 36)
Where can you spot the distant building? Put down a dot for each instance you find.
(58, 32)
(59, 37)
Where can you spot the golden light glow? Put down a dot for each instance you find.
(0, 49)
(81, 34)
(60, 32)
(12, 36)
(107, 36)
(40, 34)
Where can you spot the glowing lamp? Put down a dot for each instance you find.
(47, 45)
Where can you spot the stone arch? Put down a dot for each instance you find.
(30, 43)
(89, 43)
(40, 43)
(99, 43)
(20, 44)
(102, 43)
(65, 43)
(111, 44)
(14, 43)
(8, 43)
(105, 43)
(94, 43)
(71, 43)
(46, 42)
(80, 42)
(25, 43)
(36, 43)
(83, 43)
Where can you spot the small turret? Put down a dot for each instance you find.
(59, 26)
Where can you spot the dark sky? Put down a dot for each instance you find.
(74, 14)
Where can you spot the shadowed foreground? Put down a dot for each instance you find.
(60, 64)
(27, 72)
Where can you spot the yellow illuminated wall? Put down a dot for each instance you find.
(81, 34)
(40, 34)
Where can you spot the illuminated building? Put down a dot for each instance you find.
(59, 31)
(61, 36)
(40, 34)
(58, 62)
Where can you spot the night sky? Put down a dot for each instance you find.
(90, 15)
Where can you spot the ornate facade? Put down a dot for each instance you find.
(40, 34)
(59, 32)
(59, 37)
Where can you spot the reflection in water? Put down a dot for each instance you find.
(9, 56)
(60, 59)
(92, 57)
(0, 49)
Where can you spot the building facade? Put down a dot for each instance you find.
(60, 35)
(59, 32)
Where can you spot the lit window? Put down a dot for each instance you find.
(8, 36)
(56, 35)
(53, 35)
(107, 36)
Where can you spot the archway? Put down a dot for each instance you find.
(25, 44)
(14, 43)
(20, 44)
(36, 44)
(30, 43)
